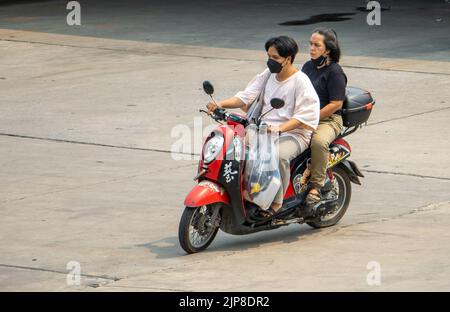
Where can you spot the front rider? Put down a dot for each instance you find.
(296, 120)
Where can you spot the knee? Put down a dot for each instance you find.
(318, 143)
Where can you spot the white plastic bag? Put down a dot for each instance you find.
(262, 178)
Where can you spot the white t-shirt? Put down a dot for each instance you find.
(300, 98)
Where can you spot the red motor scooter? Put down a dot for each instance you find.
(217, 200)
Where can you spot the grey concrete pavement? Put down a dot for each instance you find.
(115, 209)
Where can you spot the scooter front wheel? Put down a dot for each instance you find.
(198, 227)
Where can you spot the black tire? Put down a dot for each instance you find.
(344, 184)
(184, 231)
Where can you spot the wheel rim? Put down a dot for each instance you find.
(201, 227)
(341, 191)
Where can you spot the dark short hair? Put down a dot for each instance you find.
(331, 42)
(286, 46)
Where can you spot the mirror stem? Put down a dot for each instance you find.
(260, 117)
(213, 99)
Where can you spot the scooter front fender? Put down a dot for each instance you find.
(205, 193)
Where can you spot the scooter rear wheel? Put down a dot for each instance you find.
(197, 230)
(344, 190)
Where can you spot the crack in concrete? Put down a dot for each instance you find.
(379, 233)
(395, 70)
(95, 144)
(204, 56)
(319, 233)
(144, 287)
(196, 154)
(406, 174)
(88, 185)
(105, 277)
(426, 208)
(175, 267)
(408, 116)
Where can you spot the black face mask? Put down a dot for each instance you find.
(274, 66)
(319, 61)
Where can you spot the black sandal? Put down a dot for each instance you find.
(313, 198)
(266, 213)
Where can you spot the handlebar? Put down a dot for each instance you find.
(220, 114)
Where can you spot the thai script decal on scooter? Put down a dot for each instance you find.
(228, 173)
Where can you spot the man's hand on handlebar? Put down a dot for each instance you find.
(216, 112)
(211, 107)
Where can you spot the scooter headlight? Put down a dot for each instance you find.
(212, 148)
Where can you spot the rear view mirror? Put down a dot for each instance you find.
(276, 103)
(208, 87)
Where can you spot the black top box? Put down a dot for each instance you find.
(357, 106)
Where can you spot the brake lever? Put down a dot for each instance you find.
(212, 115)
(203, 111)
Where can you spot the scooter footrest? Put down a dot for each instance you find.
(292, 202)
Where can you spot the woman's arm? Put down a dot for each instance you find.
(330, 109)
(336, 90)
